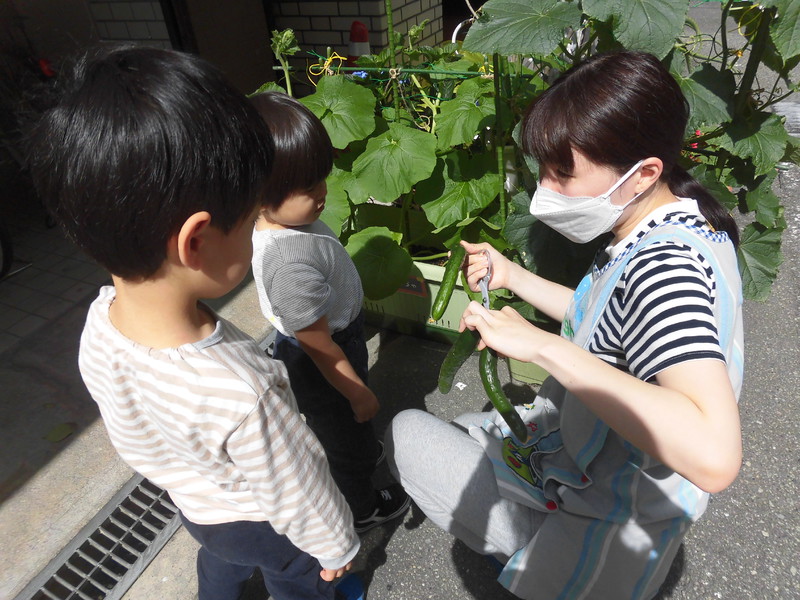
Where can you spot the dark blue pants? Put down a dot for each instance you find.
(230, 552)
(351, 447)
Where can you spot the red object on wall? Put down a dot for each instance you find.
(359, 42)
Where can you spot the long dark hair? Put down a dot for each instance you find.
(616, 109)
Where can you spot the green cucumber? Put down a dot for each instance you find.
(462, 349)
(491, 383)
(448, 282)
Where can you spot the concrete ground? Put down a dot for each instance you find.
(746, 546)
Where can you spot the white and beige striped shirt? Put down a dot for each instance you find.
(215, 423)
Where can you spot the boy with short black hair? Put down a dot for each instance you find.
(310, 291)
(156, 167)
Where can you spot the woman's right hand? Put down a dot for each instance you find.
(476, 265)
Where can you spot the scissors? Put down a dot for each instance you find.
(483, 283)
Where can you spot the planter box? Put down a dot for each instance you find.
(408, 311)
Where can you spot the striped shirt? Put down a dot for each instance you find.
(215, 424)
(661, 312)
(303, 274)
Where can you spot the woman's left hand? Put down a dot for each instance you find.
(505, 331)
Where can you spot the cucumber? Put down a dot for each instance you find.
(491, 383)
(448, 282)
(462, 348)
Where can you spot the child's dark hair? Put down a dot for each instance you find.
(616, 109)
(303, 149)
(139, 140)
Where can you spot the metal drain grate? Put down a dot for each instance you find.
(108, 555)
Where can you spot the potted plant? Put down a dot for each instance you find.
(426, 136)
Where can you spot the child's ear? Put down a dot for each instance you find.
(191, 237)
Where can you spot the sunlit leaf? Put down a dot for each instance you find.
(762, 139)
(345, 108)
(785, 30)
(447, 199)
(759, 258)
(394, 161)
(522, 27)
(471, 110)
(650, 25)
(710, 95)
(337, 207)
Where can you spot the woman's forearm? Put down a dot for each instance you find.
(551, 298)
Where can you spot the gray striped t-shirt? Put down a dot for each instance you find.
(303, 274)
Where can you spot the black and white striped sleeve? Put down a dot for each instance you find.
(668, 304)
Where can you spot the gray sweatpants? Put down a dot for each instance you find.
(451, 479)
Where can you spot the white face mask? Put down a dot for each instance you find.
(580, 218)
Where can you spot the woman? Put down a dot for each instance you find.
(638, 422)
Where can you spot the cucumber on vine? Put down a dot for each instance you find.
(451, 271)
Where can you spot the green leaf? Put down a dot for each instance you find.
(381, 263)
(706, 177)
(337, 206)
(394, 161)
(710, 95)
(284, 43)
(517, 229)
(463, 117)
(785, 30)
(759, 258)
(270, 86)
(459, 199)
(650, 25)
(792, 153)
(60, 432)
(762, 139)
(522, 26)
(766, 205)
(345, 108)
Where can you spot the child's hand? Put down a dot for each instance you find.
(365, 406)
(331, 574)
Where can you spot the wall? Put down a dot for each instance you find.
(322, 23)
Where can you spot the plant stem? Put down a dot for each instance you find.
(392, 58)
(760, 40)
(499, 137)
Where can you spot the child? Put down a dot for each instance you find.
(155, 166)
(310, 291)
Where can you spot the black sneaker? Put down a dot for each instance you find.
(392, 502)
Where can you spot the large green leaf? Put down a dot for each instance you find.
(394, 161)
(346, 109)
(785, 30)
(765, 203)
(759, 258)
(337, 206)
(710, 94)
(448, 199)
(522, 27)
(471, 110)
(381, 263)
(762, 139)
(517, 229)
(650, 25)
